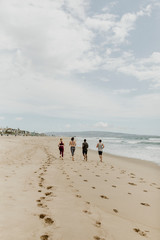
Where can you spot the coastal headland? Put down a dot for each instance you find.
(44, 197)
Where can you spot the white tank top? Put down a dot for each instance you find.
(100, 147)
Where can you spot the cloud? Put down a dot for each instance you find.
(2, 118)
(127, 23)
(18, 118)
(68, 126)
(101, 125)
(140, 68)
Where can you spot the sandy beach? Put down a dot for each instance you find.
(44, 197)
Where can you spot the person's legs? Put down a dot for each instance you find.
(85, 155)
(72, 152)
(100, 156)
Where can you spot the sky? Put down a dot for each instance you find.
(81, 65)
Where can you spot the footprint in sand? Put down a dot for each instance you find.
(49, 187)
(80, 175)
(38, 200)
(85, 180)
(42, 215)
(40, 205)
(114, 186)
(44, 237)
(85, 211)
(87, 202)
(129, 193)
(145, 204)
(145, 191)
(104, 197)
(98, 224)
(97, 176)
(137, 230)
(48, 193)
(115, 210)
(42, 198)
(132, 174)
(78, 196)
(133, 184)
(93, 187)
(48, 221)
(98, 238)
(39, 191)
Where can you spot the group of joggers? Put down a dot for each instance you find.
(85, 147)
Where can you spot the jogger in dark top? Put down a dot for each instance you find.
(85, 149)
(61, 148)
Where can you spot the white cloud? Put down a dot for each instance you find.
(2, 118)
(127, 23)
(68, 126)
(18, 118)
(141, 68)
(101, 125)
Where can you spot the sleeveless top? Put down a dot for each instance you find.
(61, 145)
(100, 147)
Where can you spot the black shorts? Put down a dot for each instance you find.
(84, 151)
(100, 152)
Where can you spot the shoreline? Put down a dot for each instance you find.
(127, 159)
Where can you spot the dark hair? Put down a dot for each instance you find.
(84, 140)
(100, 140)
(72, 138)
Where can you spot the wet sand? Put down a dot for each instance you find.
(44, 197)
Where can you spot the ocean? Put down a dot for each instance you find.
(144, 147)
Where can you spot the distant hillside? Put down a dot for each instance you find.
(93, 134)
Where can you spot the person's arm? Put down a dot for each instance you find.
(97, 145)
(75, 143)
(103, 145)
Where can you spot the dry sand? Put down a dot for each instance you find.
(43, 197)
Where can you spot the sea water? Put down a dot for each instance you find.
(143, 147)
